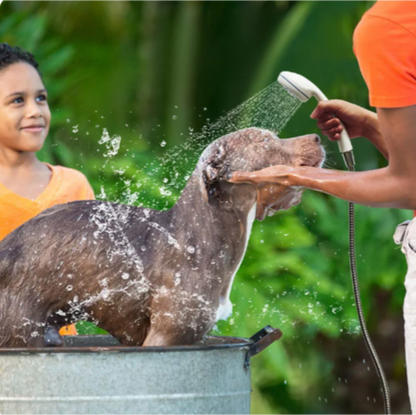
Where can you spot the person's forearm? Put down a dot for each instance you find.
(375, 188)
(373, 134)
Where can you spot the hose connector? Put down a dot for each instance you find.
(349, 160)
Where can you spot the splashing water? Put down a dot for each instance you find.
(270, 109)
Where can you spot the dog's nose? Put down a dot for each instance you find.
(317, 139)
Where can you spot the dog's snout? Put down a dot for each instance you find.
(307, 151)
(310, 138)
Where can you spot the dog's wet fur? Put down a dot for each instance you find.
(147, 277)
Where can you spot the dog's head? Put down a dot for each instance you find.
(254, 149)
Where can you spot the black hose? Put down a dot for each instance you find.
(367, 340)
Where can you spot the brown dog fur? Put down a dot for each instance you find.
(147, 277)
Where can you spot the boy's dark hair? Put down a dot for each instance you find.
(10, 55)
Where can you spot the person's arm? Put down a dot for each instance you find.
(393, 186)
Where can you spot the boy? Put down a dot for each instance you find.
(28, 186)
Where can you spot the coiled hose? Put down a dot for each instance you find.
(367, 340)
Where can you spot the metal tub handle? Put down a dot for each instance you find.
(262, 339)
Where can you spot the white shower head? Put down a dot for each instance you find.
(303, 89)
(300, 87)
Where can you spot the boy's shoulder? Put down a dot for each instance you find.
(68, 174)
(70, 184)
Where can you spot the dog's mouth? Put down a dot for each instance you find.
(272, 198)
(316, 164)
(316, 161)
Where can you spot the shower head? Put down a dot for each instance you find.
(303, 89)
(300, 87)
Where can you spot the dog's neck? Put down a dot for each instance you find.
(222, 223)
(224, 203)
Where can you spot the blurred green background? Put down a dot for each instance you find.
(152, 73)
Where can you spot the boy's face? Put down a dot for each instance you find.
(24, 110)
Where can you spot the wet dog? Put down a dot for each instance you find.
(147, 277)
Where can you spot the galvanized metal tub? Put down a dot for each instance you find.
(94, 374)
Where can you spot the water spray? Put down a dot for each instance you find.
(303, 89)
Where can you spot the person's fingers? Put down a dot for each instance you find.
(333, 131)
(273, 174)
(321, 115)
(335, 134)
(326, 107)
(326, 116)
(242, 177)
(326, 125)
(330, 132)
(317, 112)
(321, 111)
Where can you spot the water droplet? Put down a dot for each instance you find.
(164, 192)
(175, 117)
(69, 287)
(190, 249)
(125, 276)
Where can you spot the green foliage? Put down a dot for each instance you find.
(295, 276)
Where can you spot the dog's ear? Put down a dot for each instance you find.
(211, 173)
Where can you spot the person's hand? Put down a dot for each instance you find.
(329, 113)
(275, 188)
(281, 175)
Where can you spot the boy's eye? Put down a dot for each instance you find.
(18, 100)
(42, 97)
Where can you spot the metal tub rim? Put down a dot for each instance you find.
(223, 342)
(87, 344)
